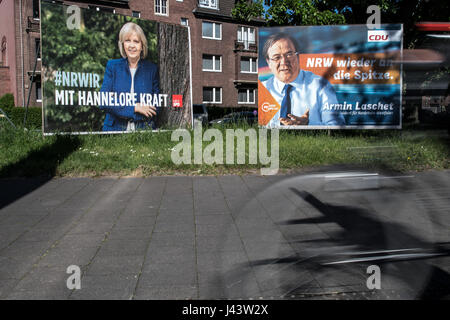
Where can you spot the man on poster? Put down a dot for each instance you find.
(301, 94)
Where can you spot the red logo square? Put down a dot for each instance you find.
(177, 100)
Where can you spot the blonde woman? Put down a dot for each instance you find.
(131, 74)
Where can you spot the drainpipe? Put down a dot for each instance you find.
(21, 49)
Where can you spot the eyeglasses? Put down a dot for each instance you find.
(288, 56)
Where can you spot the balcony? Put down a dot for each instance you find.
(245, 46)
(32, 25)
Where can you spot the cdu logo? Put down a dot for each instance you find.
(383, 35)
(266, 107)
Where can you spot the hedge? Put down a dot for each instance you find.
(16, 114)
(220, 112)
(7, 101)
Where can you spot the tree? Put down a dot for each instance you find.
(248, 10)
(287, 12)
(392, 11)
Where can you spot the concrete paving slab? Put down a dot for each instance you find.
(9, 235)
(11, 268)
(239, 290)
(6, 287)
(166, 292)
(210, 237)
(125, 222)
(159, 274)
(170, 255)
(120, 232)
(73, 241)
(173, 239)
(63, 257)
(123, 248)
(53, 279)
(23, 249)
(218, 243)
(109, 287)
(110, 265)
(174, 227)
(222, 261)
(44, 293)
(211, 230)
(214, 219)
(91, 228)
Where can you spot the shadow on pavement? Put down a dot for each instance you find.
(339, 262)
(40, 164)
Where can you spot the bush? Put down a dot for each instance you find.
(7, 101)
(220, 112)
(34, 116)
(16, 114)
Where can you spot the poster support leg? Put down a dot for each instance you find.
(31, 85)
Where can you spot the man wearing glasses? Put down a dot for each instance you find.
(301, 94)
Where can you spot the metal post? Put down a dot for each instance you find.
(31, 85)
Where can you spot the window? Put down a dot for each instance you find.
(38, 90)
(3, 48)
(212, 95)
(246, 96)
(36, 9)
(37, 47)
(184, 21)
(161, 7)
(248, 65)
(212, 4)
(136, 14)
(246, 35)
(211, 30)
(212, 63)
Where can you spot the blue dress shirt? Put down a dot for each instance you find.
(117, 78)
(310, 92)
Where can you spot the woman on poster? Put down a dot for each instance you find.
(131, 74)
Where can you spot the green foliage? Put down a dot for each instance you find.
(392, 11)
(7, 101)
(319, 12)
(305, 12)
(219, 112)
(287, 12)
(16, 115)
(148, 153)
(248, 10)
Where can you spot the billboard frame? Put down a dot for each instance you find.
(112, 132)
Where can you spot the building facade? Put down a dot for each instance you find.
(224, 51)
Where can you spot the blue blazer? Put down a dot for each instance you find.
(117, 78)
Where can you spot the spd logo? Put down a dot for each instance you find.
(177, 101)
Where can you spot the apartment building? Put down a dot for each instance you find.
(224, 51)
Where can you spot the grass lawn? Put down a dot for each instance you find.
(29, 153)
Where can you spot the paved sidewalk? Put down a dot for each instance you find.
(222, 237)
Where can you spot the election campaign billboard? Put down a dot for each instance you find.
(108, 73)
(314, 77)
